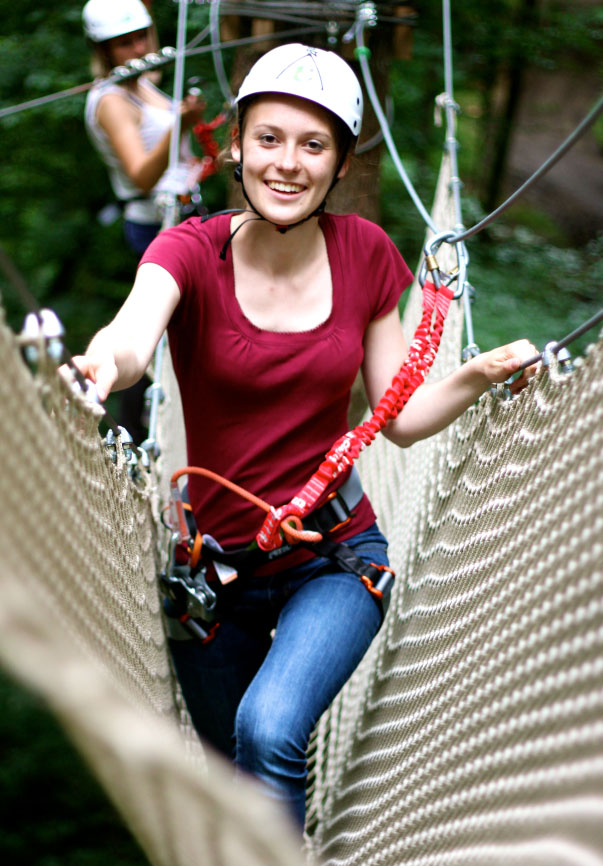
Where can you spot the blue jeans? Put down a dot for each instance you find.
(256, 697)
(139, 235)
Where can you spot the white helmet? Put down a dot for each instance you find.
(104, 19)
(311, 73)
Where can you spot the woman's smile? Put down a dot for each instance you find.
(284, 187)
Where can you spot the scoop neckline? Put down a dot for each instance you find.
(247, 327)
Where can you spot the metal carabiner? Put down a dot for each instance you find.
(462, 257)
(430, 262)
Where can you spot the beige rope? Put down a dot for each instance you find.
(80, 624)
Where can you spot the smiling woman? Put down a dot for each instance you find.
(288, 157)
(271, 313)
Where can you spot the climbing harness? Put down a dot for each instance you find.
(189, 599)
(196, 561)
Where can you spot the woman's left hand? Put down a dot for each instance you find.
(499, 364)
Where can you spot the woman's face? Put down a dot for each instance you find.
(129, 46)
(289, 156)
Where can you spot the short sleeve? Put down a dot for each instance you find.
(178, 250)
(388, 275)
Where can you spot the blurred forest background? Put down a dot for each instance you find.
(525, 73)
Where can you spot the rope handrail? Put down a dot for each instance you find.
(30, 303)
(565, 341)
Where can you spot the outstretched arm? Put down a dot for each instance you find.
(120, 353)
(435, 405)
(119, 119)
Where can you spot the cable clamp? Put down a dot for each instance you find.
(130, 450)
(367, 13)
(442, 102)
(46, 326)
(471, 350)
(564, 358)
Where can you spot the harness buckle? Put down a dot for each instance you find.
(337, 509)
(382, 587)
(188, 596)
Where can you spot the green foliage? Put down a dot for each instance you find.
(53, 184)
(528, 279)
(526, 286)
(53, 811)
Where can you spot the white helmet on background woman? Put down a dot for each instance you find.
(104, 19)
(311, 73)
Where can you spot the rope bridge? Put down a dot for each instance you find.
(473, 730)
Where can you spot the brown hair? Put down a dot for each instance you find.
(101, 63)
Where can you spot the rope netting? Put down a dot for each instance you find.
(80, 624)
(471, 733)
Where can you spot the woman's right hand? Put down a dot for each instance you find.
(191, 111)
(100, 369)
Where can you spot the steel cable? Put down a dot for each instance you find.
(569, 338)
(585, 124)
(30, 303)
(216, 53)
(374, 99)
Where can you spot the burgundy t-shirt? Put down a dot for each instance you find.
(263, 408)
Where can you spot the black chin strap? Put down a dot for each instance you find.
(228, 242)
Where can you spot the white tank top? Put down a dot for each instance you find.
(154, 122)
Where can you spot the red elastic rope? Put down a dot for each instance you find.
(347, 448)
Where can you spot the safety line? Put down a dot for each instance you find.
(170, 208)
(262, 12)
(203, 34)
(452, 145)
(216, 53)
(324, 10)
(188, 52)
(15, 277)
(83, 88)
(561, 344)
(44, 100)
(292, 526)
(374, 99)
(251, 40)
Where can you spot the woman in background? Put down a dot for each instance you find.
(130, 125)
